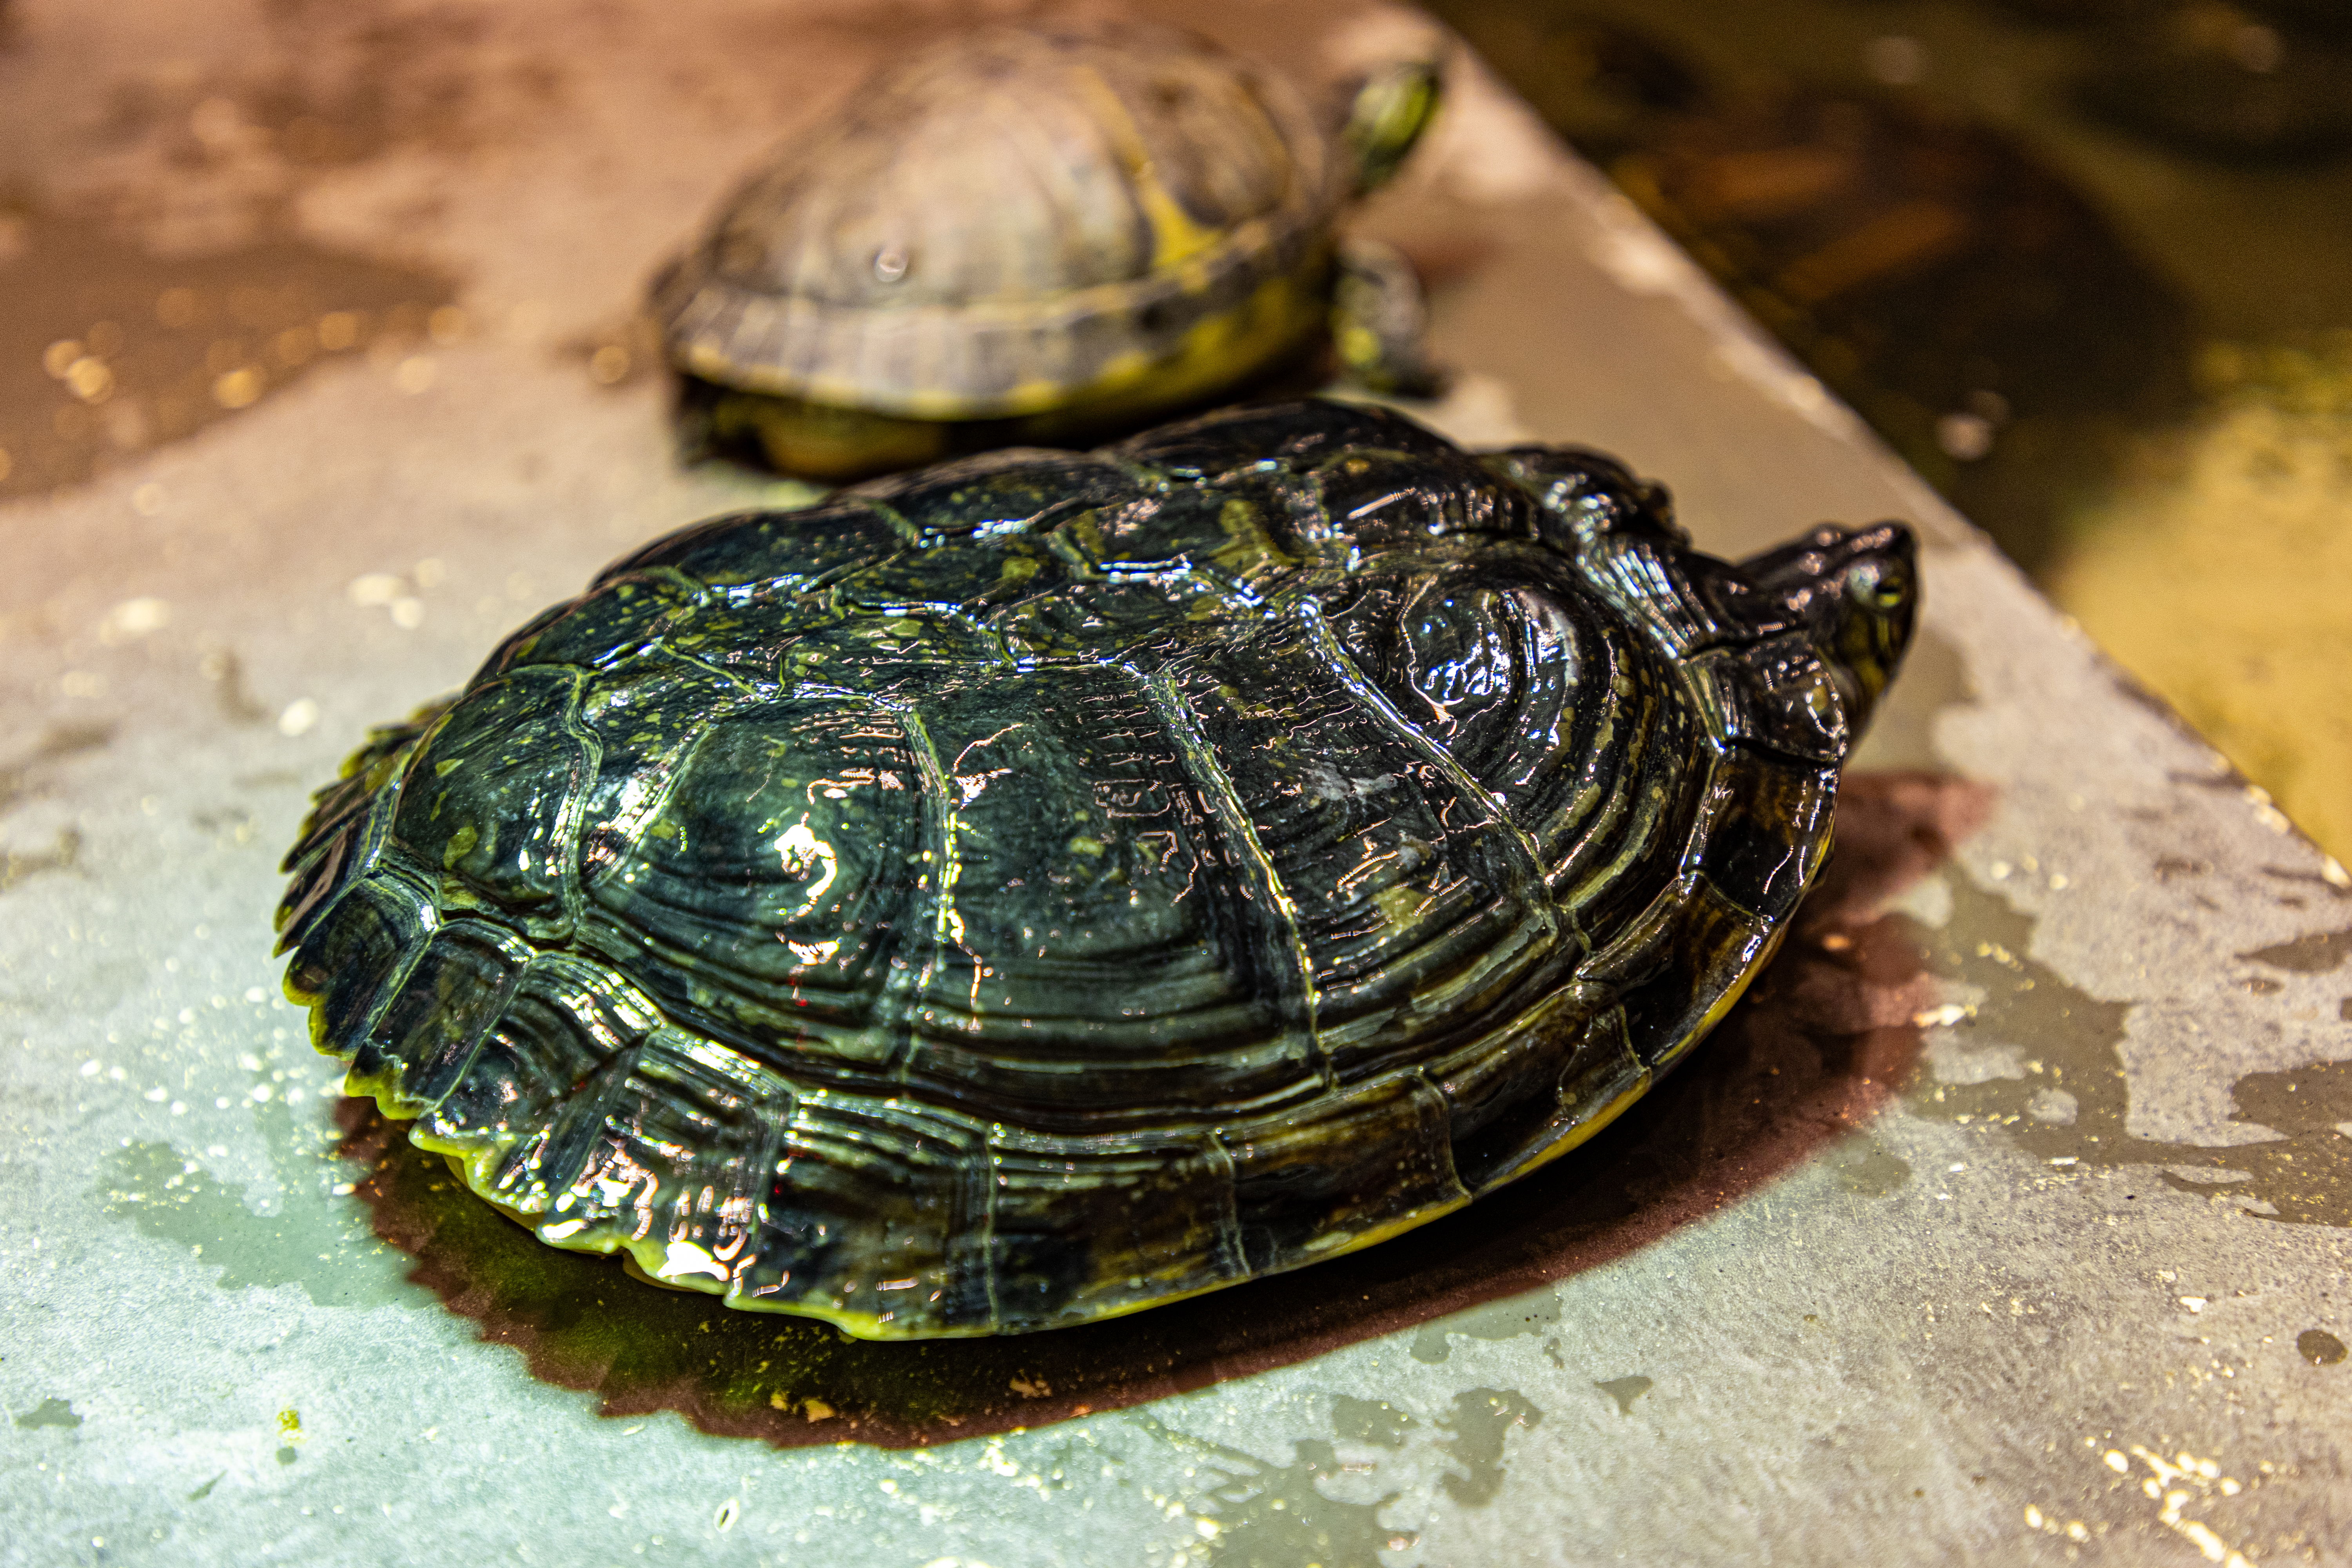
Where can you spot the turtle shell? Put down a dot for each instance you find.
(1047, 884)
(1014, 217)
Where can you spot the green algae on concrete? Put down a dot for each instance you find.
(317, 1239)
(1625, 1390)
(51, 1412)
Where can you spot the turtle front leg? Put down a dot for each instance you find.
(1378, 319)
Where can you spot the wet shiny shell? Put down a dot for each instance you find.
(1048, 885)
(1009, 216)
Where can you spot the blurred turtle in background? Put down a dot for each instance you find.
(1035, 234)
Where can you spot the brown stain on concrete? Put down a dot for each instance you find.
(25, 778)
(2314, 953)
(1815, 1051)
(159, 282)
(107, 350)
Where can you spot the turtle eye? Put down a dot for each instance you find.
(1878, 585)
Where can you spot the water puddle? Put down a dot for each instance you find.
(1342, 1502)
(308, 1241)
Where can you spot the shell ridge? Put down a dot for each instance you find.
(1525, 859)
(900, 524)
(911, 981)
(1216, 787)
(748, 688)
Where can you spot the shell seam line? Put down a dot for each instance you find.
(509, 988)
(603, 1090)
(1427, 1089)
(681, 756)
(1229, 1217)
(748, 688)
(909, 536)
(374, 831)
(988, 1224)
(1533, 886)
(380, 1001)
(1210, 776)
(941, 823)
(573, 890)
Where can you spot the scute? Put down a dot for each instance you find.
(1027, 891)
(775, 889)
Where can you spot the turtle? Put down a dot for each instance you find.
(1046, 884)
(1045, 234)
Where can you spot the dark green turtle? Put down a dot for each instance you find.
(1048, 885)
(1041, 233)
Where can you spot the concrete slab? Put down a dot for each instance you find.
(2007, 1222)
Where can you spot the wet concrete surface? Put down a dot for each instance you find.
(2005, 1221)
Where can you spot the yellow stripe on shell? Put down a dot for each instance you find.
(1175, 236)
(1217, 351)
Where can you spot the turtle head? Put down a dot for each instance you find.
(1857, 593)
(1387, 114)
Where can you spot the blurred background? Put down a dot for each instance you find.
(2085, 263)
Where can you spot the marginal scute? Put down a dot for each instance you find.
(424, 1040)
(1084, 1224)
(1502, 1091)
(349, 962)
(1600, 1077)
(671, 1150)
(1059, 884)
(1762, 833)
(875, 1212)
(1354, 1166)
(1670, 969)
(563, 1025)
